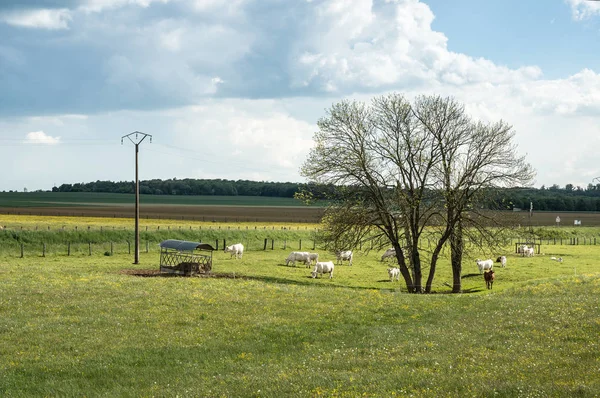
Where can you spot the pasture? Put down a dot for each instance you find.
(88, 326)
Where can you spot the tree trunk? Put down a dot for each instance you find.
(456, 251)
(403, 268)
(432, 266)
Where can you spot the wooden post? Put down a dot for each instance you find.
(43, 250)
(224, 244)
(147, 247)
(314, 245)
(272, 244)
(90, 248)
(68, 248)
(111, 248)
(265, 247)
(300, 245)
(22, 250)
(217, 244)
(129, 247)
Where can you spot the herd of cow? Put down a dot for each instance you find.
(326, 267)
(320, 267)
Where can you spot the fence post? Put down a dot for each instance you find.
(265, 247)
(129, 247)
(217, 244)
(111, 248)
(314, 245)
(22, 250)
(300, 245)
(284, 244)
(224, 244)
(68, 248)
(43, 250)
(272, 244)
(90, 248)
(147, 247)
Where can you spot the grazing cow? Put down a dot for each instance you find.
(236, 250)
(502, 261)
(559, 259)
(489, 277)
(297, 256)
(389, 253)
(484, 265)
(345, 255)
(394, 273)
(323, 267)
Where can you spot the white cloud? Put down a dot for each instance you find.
(39, 137)
(38, 18)
(101, 5)
(359, 46)
(583, 9)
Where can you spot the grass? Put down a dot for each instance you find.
(77, 326)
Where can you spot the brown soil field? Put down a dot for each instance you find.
(183, 212)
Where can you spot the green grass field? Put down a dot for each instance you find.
(81, 326)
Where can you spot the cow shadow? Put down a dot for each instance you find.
(466, 276)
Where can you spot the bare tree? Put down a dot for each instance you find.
(401, 167)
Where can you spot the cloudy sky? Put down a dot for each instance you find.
(233, 88)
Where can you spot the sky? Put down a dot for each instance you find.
(233, 89)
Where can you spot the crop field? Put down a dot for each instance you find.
(222, 209)
(97, 325)
(197, 208)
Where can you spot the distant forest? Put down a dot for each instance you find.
(554, 198)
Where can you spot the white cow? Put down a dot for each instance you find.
(312, 257)
(502, 261)
(236, 250)
(521, 249)
(388, 254)
(529, 252)
(323, 267)
(297, 256)
(344, 255)
(484, 265)
(394, 273)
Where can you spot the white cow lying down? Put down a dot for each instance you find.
(323, 267)
(236, 250)
(484, 265)
(298, 256)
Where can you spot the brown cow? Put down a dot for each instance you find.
(489, 278)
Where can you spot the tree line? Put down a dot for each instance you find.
(188, 186)
(553, 198)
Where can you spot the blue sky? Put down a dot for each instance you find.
(233, 89)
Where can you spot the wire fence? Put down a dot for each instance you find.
(19, 249)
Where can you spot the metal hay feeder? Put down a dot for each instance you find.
(185, 258)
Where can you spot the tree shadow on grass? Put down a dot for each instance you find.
(305, 281)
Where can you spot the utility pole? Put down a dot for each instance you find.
(137, 141)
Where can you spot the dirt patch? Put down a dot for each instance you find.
(157, 273)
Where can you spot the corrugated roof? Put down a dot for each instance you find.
(184, 245)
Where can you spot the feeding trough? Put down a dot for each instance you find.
(185, 258)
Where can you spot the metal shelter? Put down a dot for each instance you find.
(185, 258)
